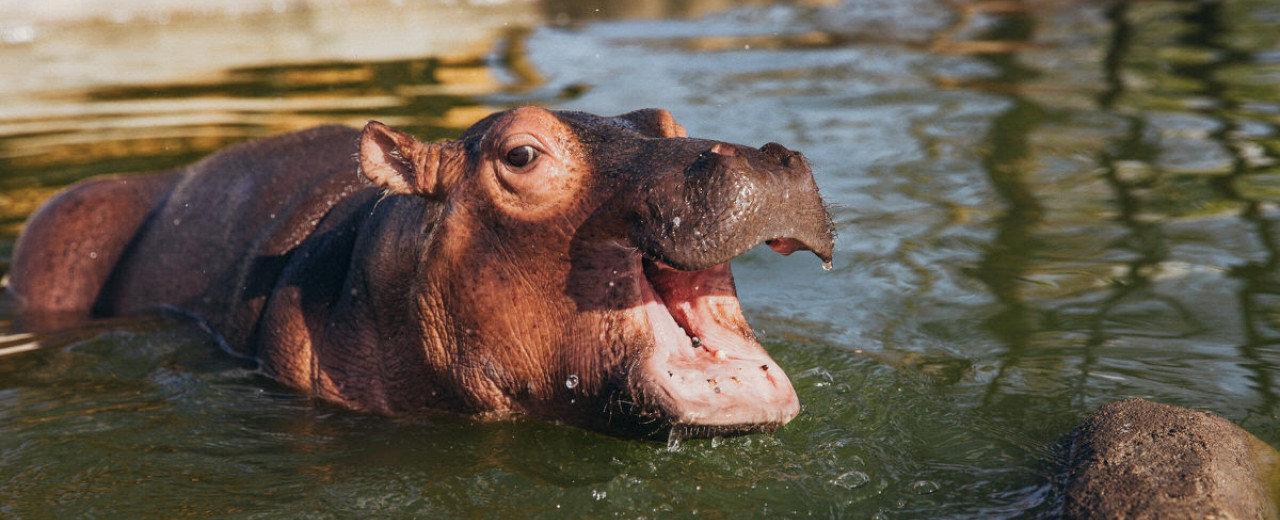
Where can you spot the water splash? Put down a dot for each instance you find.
(674, 437)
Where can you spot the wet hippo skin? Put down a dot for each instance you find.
(558, 264)
(1139, 459)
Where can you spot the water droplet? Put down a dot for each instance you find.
(826, 266)
(675, 222)
(20, 33)
(598, 495)
(572, 382)
(851, 480)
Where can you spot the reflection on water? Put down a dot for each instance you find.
(1042, 207)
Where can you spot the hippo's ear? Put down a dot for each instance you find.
(655, 122)
(398, 163)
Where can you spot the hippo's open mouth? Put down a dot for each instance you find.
(692, 207)
(706, 373)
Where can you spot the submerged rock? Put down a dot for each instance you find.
(1138, 459)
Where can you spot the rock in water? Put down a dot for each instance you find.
(1139, 459)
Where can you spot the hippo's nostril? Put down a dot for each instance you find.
(724, 149)
(787, 158)
(774, 149)
(784, 156)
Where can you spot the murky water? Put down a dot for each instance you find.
(1042, 206)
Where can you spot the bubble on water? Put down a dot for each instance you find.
(851, 479)
(924, 487)
(572, 382)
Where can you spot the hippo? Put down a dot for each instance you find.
(559, 265)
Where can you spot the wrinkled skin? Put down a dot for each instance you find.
(563, 265)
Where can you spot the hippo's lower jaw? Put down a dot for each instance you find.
(706, 374)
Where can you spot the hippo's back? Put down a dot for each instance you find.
(217, 243)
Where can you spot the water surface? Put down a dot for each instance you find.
(1042, 207)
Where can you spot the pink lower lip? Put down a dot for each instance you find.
(727, 378)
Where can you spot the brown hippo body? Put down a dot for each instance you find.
(565, 265)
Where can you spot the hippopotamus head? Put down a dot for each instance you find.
(577, 267)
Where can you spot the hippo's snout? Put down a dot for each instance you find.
(693, 206)
(727, 199)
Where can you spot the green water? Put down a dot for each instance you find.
(1042, 207)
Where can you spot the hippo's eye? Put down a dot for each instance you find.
(522, 156)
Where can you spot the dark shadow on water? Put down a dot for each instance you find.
(1008, 258)
(1128, 167)
(1259, 280)
(1143, 240)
